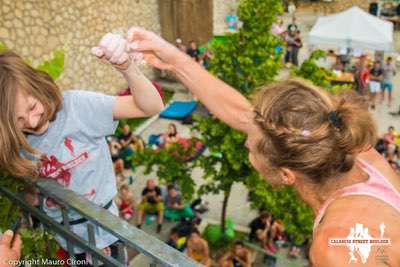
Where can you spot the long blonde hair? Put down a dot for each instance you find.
(311, 131)
(16, 75)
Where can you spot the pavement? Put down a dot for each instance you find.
(239, 209)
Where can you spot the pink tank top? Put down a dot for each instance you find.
(377, 186)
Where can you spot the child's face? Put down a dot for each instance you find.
(126, 194)
(29, 112)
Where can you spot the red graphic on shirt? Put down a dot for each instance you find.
(68, 144)
(91, 193)
(51, 167)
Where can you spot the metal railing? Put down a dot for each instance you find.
(160, 253)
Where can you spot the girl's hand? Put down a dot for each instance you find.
(156, 51)
(113, 48)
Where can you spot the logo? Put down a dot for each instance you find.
(360, 242)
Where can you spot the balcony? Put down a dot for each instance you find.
(160, 253)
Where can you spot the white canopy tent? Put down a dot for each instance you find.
(353, 28)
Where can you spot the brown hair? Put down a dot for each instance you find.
(310, 131)
(16, 75)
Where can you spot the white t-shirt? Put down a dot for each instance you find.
(76, 155)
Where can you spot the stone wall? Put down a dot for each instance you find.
(35, 28)
(221, 9)
(332, 7)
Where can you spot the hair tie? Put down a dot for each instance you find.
(335, 120)
(306, 133)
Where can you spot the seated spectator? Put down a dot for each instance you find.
(119, 172)
(175, 209)
(238, 256)
(137, 143)
(389, 139)
(176, 241)
(114, 147)
(294, 252)
(125, 202)
(151, 203)
(126, 136)
(206, 57)
(259, 228)
(171, 135)
(278, 231)
(197, 248)
(193, 51)
(125, 141)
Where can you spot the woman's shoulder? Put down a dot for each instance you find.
(361, 220)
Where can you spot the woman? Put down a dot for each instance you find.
(171, 136)
(299, 135)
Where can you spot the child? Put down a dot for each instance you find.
(44, 132)
(125, 202)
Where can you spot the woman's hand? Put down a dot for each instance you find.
(156, 51)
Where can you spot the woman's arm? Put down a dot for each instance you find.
(222, 100)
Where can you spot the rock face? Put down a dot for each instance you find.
(34, 29)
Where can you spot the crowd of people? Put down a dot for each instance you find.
(163, 202)
(197, 248)
(371, 77)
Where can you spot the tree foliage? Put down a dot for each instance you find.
(174, 165)
(319, 76)
(246, 60)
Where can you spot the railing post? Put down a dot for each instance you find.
(153, 264)
(92, 242)
(121, 253)
(70, 246)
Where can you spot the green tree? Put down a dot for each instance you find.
(246, 60)
(173, 164)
